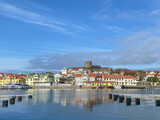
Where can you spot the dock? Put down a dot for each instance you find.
(136, 98)
(11, 99)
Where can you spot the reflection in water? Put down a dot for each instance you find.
(61, 104)
(78, 97)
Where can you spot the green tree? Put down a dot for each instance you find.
(152, 79)
(23, 80)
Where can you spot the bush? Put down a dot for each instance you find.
(152, 79)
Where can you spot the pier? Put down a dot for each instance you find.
(11, 99)
(136, 98)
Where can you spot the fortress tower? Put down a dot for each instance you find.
(88, 64)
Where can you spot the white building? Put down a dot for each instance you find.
(150, 74)
(57, 77)
(120, 79)
(81, 78)
(64, 71)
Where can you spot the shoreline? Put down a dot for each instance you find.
(92, 87)
(89, 87)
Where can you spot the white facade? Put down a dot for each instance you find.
(64, 71)
(79, 81)
(81, 78)
(121, 80)
(151, 74)
(57, 77)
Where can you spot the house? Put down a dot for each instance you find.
(57, 77)
(92, 79)
(64, 71)
(77, 70)
(10, 80)
(31, 79)
(70, 75)
(128, 80)
(81, 78)
(120, 79)
(150, 74)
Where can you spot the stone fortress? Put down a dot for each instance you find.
(90, 68)
(88, 65)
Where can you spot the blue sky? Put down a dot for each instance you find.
(46, 35)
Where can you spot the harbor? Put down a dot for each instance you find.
(90, 102)
(148, 98)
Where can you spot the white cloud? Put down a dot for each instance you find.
(141, 50)
(108, 12)
(56, 24)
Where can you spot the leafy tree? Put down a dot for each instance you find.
(139, 83)
(152, 79)
(23, 80)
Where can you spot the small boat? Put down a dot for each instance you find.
(100, 87)
(117, 87)
(110, 87)
(94, 87)
(5, 86)
(18, 86)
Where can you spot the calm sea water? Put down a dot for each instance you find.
(78, 104)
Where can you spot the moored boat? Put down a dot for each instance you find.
(18, 86)
(117, 87)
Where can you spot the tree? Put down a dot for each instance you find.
(23, 80)
(152, 79)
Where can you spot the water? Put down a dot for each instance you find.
(78, 104)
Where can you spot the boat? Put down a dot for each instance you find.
(110, 87)
(117, 87)
(5, 86)
(18, 86)
(100, 87)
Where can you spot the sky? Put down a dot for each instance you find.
(47, 35)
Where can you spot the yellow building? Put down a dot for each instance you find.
(100, 83)
(4, 81)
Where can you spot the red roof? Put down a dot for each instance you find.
(98, 71)
(129, 77)
(92, 74)
(112, 76)
(78, 75)
(70, 73)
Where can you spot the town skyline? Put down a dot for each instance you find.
(84, 66)
(50, 35)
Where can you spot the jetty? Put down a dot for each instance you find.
(136, 98)
(5, 100)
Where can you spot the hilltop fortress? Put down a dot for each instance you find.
(89, 68)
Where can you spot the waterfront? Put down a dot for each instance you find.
(77, 104)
